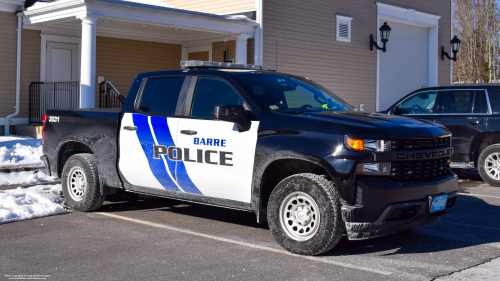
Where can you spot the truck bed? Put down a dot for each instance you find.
(97, 129)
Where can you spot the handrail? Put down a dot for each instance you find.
(109, 96)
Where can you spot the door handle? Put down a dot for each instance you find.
(130, 128)
(188, 132)
(475, 122)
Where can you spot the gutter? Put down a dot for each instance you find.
(18, 74)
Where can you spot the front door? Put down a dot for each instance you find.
(62, 62)
(217, 158)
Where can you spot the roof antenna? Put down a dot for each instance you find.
(225, 56)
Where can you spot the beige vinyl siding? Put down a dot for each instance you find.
(120, 60)
(30, 64)
(213, 6)
(300, 38)
(8, 38)
(218, 50)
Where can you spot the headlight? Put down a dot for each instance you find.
(367, 145)
(375, 169)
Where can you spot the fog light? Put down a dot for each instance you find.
(383, 169)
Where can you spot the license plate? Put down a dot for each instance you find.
(439, 203)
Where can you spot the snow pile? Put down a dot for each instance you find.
(20, 152)
(34, 202)
(239, 17)
(23, 178)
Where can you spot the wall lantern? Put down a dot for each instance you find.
(455, 46)
(385, 31)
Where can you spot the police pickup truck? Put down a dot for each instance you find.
(244, 137)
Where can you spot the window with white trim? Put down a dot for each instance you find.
(344, 28)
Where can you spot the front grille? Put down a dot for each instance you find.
(420, 170)
(417, 144)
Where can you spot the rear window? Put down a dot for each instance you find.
(494, 96)
(160, 96)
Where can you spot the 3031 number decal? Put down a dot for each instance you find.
(53, 118)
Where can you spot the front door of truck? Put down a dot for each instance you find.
(147, 133)
(217, 159)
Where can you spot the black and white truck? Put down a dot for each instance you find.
(241, 137)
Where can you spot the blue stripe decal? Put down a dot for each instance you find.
(184, 180)
(147, 142)
(164, 137)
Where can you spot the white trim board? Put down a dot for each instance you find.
(60, 39)
(187, 50)
(410, 17)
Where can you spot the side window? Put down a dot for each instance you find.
(160, 95)
(211, 92)
(458, 101)
(480, 103)
(422, 103)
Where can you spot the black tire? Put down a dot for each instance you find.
(86, 195)
(328, 231)
(482, 165)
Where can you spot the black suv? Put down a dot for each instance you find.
(470, 112)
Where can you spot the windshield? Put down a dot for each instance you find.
(287, 94)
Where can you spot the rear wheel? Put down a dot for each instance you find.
(80, 183)
(489, 164)
(304, 214)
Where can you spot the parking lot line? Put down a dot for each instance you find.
(264, 248)
(478, 195)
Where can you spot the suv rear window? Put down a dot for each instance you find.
(494, 96)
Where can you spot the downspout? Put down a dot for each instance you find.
(259, 34)
(18, 73)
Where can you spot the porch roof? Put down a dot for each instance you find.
(133, 19)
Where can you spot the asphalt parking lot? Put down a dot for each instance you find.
(162, 239)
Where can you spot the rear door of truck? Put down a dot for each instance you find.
(152, 125)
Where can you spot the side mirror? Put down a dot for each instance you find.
(233, 113)
(396, 110)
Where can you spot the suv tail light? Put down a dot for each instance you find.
(44, 120)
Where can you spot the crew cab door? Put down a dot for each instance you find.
(149, 131)
(465, 113)
(217, 159)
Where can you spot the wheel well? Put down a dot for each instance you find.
(484, 143)
(67, 150)
(283, 168)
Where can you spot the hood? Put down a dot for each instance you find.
(375, 124)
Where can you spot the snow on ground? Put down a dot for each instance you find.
(29, 203)
(27, 177)
(18, 151)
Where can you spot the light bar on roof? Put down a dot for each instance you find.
(221, 65)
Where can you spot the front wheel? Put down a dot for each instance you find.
(304, 214)
(489, 164)
(80, 183)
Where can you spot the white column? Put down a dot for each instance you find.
(87, 70)
(241, 47)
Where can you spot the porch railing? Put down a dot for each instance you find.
(45, 95)
(109, 96)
